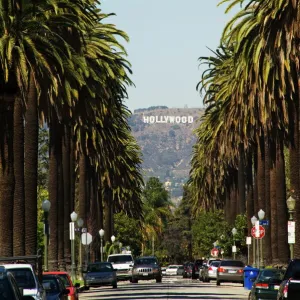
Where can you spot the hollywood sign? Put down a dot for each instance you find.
(168, 119)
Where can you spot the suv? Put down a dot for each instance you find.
(27, 280)
(290, 285)
(8, 286)
(122, 263)
(146, 268)
(197, 266)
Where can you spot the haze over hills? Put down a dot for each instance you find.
(166, 138)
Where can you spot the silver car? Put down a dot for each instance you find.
(210, 271)
(230, 271)
(99, 274)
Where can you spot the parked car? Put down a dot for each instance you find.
(197, 266)
(9, 288)
(266, 284)
(180, 270)
(146, 268)
(172, 270)
(55, 288)
(100, 274)
(209, 271)
(290, 285)
(230, 271)
(187, 270)
(64, 276)
(27, 280)
(122, 263)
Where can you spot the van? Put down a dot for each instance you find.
(123, 263)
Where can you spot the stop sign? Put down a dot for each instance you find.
(262, 232)
(86, 238)
(214, 252)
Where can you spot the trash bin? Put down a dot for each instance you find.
(249, 273)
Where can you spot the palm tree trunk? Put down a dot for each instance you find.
(31, 166)
(283, 249)
(19, 194)
(250, 202)
(53, 196)
(60, 220)
(7, 180)
(72, 172)
(107, 214)
(267, 239)
(255, 181)
(261, 173)
(66, 156)
(241, 180)
(82, 187)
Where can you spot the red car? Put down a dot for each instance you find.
(73, 294)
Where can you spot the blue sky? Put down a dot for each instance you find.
(166, 39)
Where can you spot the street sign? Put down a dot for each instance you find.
(248, 240)
(291, 232)
(291, 226)
(261, 232)
(83, 230)
(233, 249)
(86, 238)
(264, 222)
(214, 252)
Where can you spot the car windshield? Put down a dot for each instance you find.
(267, 274)
(146, 261)
(24, 278)
(173, 267)
(65, 279)
(232, 263)
(215, 263)
(119, 259)
(100, 267)
(53, 284)
(6, 291)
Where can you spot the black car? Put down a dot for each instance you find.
(146, 268)
(197, 266)
(187, 270)
(55, 288)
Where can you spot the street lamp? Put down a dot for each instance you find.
(46, 208)
(72, 238)
(80, 224)
(113, 238)
(261, 215)
(234, 232)
(101, 233)
(291, 203)
(253, 221)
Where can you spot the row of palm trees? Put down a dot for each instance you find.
(248, 142)
(63, 67)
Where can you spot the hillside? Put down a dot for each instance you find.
(166, 138)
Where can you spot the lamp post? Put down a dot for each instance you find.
(113, 238)
(101, 233)
(291, 203)
(46, 208)
(261, 215)
(253, 220)
(234, 232)
(80, 224)
(72, 238)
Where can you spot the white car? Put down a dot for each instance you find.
(123, 263)
(27, 280)
(172, 270)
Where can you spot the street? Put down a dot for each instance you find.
(171, 288)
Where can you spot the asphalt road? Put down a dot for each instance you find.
(170, 288)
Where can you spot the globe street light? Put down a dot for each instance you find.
(234, 232)
(46, 208)
(261, 215)
(101, 233)
(72, 238)
(113, 238)
(291, 203)
(253, 221)
(80, 224)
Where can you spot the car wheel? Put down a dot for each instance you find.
(115, 285)
(86, 288)
(218, 282)
(134, 280)
(250, 296)
(208, 280)
(158, 280)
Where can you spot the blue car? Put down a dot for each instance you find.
(55, 288)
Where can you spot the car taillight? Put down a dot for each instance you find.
(221, 270)
(241, 271)
(285, 290)
(210, 269)
(262, 285)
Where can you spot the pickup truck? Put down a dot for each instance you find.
(290, 286)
